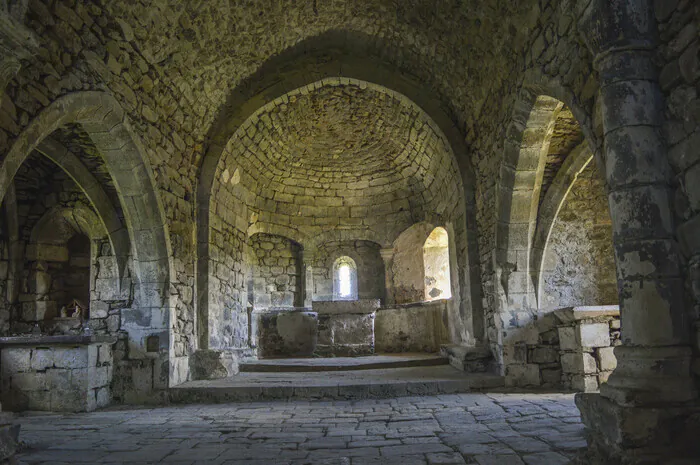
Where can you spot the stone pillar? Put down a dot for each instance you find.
(388, 257)
(644, 410)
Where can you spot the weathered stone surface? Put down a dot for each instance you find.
(212, 364)
(418, 328)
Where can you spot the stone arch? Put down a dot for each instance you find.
(107, 214)
(262, 227)
(103, 119)
(555, 197)
(329, 56)
(525, 147)
(80, 218)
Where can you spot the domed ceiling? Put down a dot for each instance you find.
(338, 145)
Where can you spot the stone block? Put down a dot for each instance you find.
(567, 338)
(99, 377)
(544, 355)
(514, 354)
(103, 397)
(15, 360)
(71, 357)
(551, 377)
(33, 381)
(60, 380)
(41, 359)
(523, 375)
(68, 401)
(212, 364)
(594, 335)
(104, 355)
(578, 363)
(347, 306)
(603, 376)
(584, 383)
(45, 310)
(38, 400)
(99, 309)
(607, 359)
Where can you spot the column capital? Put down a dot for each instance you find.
(387, 253)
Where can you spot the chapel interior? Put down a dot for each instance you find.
(350, 232)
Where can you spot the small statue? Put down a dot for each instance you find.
(76, 313)
(64, 312)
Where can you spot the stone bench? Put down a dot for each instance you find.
(56, 373)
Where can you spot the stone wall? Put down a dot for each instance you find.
(579, 262)
(680, 73)
(570, 348)
(72, 378)
(227, 292)
(277, 272)
(370, 268)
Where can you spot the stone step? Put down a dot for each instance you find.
(469, 359)
(373, 362)
(336, 385)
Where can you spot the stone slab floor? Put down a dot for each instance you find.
(486, 429)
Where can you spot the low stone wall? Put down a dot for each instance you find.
(56, 373)
(569, 348)
(420, 327)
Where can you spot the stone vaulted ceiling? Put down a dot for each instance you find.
(338, 149)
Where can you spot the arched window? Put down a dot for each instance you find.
(344, 279)
(436, 262)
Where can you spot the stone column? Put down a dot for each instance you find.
(651, 388)
(388, 257)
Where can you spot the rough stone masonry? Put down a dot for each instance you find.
(178, 178)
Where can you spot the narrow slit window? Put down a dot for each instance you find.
(344, 279)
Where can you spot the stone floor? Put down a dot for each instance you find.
(486, 429)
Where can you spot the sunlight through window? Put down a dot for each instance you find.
(344, 277)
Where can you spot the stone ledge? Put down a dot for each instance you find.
(32, 340)
(346, 306)
(573, 314)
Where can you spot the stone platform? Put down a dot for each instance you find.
(350, 384)
(372, 362)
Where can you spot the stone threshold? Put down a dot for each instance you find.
(371, 362)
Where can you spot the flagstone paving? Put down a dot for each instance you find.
(486, 429)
